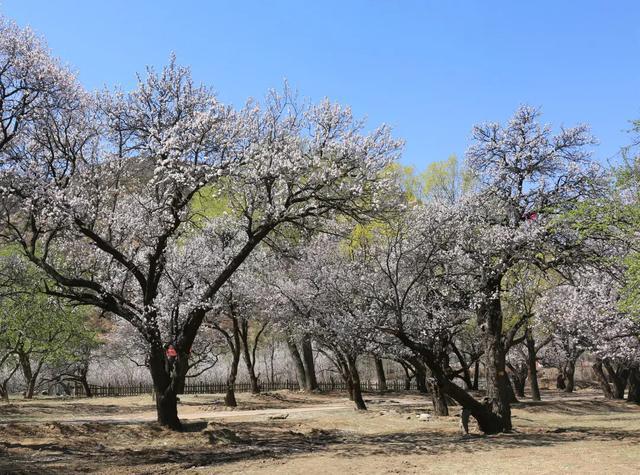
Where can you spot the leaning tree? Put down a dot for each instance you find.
(98, 192)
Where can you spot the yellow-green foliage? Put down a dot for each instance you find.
(210, 202)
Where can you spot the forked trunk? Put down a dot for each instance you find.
(407, 376)
(249, 360)
(466, 372)
(251, 371)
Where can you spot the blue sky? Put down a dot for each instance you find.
(429, 69)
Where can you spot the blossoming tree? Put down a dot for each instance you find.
(98, 192)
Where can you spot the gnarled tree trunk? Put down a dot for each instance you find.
(164, 384)
(499, 393)
(484, 412)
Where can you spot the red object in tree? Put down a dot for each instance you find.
(532, 216)
(171, 352)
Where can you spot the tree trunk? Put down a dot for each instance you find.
(4, 394)
(466, 373)
(180, 369)
(421, 376)
(532, 366)
(512, 394)
(476, 375)
(248, 359)
(165, 388)
(342, 365)
(483, 412)
(407, 376)
(618, 376)
(499, 393)
(255, 387)
(4, 391)
(602, 379)
(518, 379)
(230, 396)
(297, 363)
(438, 398)
(382, 379)
(309, 364)
(86, 387)
(518, 386)
(486, 416)
(634, 386)
(570, 376)
(25, 367)
(357, 390)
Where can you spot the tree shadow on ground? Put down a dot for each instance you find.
(579, 407)
(70, 408)
(88, 447)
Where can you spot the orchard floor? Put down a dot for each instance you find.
(580, 434)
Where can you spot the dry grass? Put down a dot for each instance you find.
(322, 434)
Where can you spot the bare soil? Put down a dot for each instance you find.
(289, 432)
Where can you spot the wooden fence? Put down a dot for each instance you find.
(221, 387)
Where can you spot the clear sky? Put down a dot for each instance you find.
(429, 69)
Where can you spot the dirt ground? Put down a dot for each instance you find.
(289, 432)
